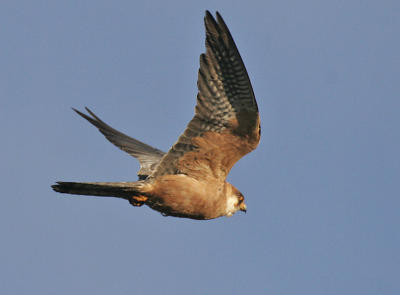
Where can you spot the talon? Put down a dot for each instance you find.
(138, 201)
(140, 198)
(136, 204)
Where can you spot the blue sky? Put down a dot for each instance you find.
(322, 189)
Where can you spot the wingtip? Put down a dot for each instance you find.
(93, 115)
(86, 116)
(88, 110)
(209, 15)
(210, 24)
(219, 17)
(77, 111)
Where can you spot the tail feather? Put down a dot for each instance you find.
(124, 190)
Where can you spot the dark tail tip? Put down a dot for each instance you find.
(60, 187)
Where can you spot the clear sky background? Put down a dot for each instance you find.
(322, 189)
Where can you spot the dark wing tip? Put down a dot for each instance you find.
(219, 38)
(91, 120)
(210, 23)
(209, 14)
(220, 19)
(215, 22)
(93, 115)
(96, 121)
(78, 112)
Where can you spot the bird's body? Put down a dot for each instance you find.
(190, 180)
(182, 196)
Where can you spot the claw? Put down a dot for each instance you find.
(138, 201)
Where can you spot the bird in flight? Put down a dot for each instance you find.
(189, 180)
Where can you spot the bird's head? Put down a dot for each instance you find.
(234, 201)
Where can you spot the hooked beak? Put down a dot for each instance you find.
(243, 207)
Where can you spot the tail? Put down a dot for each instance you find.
(124, 190)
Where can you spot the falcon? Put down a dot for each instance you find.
(189, 180)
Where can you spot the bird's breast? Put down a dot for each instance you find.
(182, 196)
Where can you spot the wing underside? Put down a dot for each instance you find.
(147, 155)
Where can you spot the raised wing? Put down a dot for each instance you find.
(226, 124)
(148, 156)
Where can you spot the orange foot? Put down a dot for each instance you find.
(138, 200)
